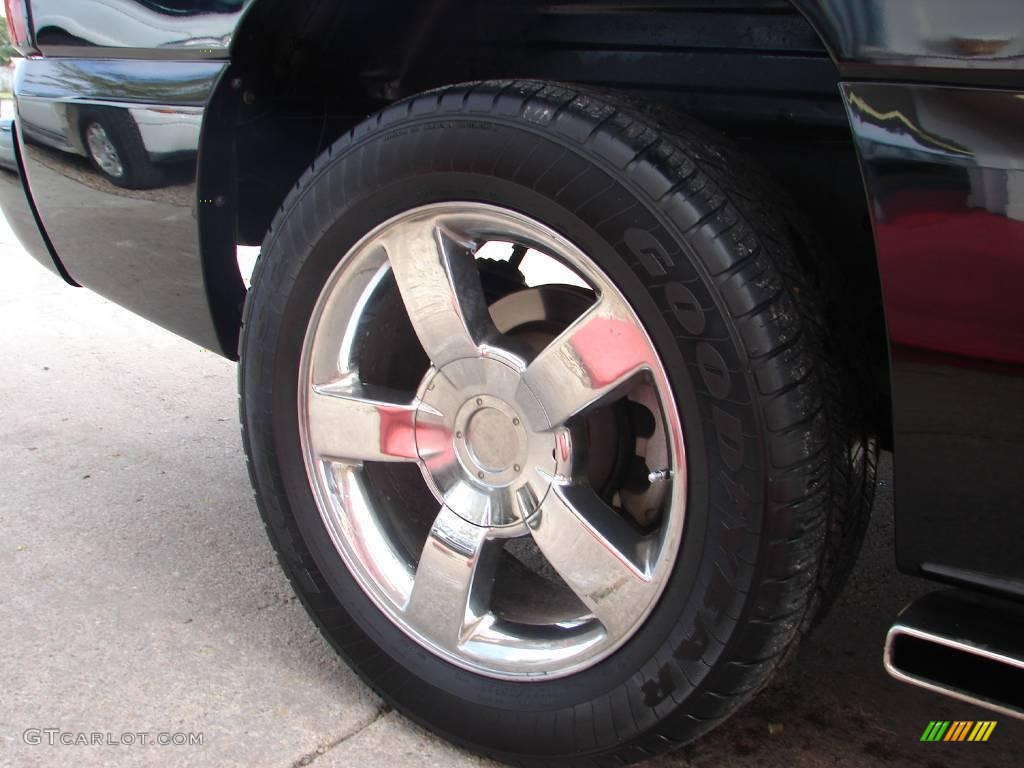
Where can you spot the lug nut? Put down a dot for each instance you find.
(515, 421)
(516, 467)
(480, 475)
(458, 435)
(479, 401)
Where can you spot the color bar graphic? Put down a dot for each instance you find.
(958, 730)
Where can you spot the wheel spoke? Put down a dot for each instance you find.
(589, 361)
(451, 591)
(596, 552)
(360, 424)
(440, 286)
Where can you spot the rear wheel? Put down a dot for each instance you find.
(533, 394)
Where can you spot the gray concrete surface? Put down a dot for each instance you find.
(139, 592)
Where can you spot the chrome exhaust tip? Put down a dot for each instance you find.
(963, 645)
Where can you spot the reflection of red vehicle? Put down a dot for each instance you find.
(952, 276)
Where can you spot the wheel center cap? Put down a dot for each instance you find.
(491, 441)
(480, 454)
(485, 438)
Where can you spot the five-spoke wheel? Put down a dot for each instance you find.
(498, 428)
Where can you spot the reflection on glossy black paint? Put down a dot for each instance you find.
(145, 82)
(130, 147)
(130, 121)
(983, 34)
(8, 158)
(946, 186)
(15, 204)
(948, 204)
(178, 174)
(961, 450)
(111, 156)
(200, 25)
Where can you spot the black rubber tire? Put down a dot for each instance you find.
(139, 171)
(853, 394)
(729, 293)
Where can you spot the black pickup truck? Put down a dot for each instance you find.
(577, 327)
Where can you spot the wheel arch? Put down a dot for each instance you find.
(299, 78)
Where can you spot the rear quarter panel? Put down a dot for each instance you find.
(944, 172)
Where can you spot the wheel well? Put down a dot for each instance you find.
(755, 70)
(77, 119)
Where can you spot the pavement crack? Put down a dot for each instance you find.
(326, 747)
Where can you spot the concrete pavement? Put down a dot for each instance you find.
(140, 595)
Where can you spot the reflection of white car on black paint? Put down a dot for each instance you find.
(7, 158)
(148, 23)
(126, 144)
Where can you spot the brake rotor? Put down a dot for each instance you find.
(627, 445)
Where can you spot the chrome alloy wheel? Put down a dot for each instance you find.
(502, 430)
(103, 150)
